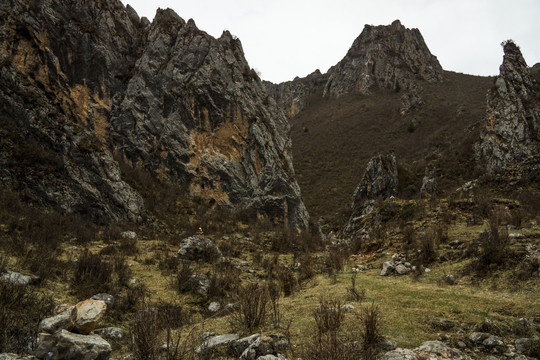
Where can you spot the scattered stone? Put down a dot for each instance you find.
(107, 298)
(199, 284)
(348, 308)
(388, 344)
(493, 342)
(214, 306)
(16, 278)
(6, 356)
(522, 345)
(491, 357)
(130, 235)
(240, 345)
(110, 333)
(86, 315)
(198, 247)
(516, 235)
(427, 270)
(207, 334)
(64, 345)
(524, 323)
(461, 345)
(400, 354)
(216, 342)
(387, 268)
(61, 321)
(478, 337)
(402, 269)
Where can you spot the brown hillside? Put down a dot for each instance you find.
(334, 138)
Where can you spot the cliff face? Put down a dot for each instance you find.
(392, 57)
(512, 132)
(97, 80)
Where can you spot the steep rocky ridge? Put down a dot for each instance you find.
(85, 80)
(512, 121)
(389, 57)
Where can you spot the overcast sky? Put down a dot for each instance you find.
(287, 38)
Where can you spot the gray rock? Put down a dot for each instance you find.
(379, 179)
(400, 354)
(478, 337)
(131, 235)
(198, 247)
(373, 57)
(64, 345)
(107, 298)
(16, 278)
(216, 342)
(167, 97)
(240, 345)
(6, 356)
(348, 308)
(199, 284)
(61, 321)
(522, 345)
(429, 183)
(388, 344)
(387, 268)
(110, 333)
(214, 306)
(402, 269)
(493, 341)
(512, 121)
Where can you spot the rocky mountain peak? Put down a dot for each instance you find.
(164, 96)
(386, 56)
(512, 132)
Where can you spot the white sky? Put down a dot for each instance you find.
(287, 38)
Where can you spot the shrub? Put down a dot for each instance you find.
(224, 279)
(252, 307)
(427, 246)
(493, 244)
(145, 331)
(353, 293)
(21, 310)
(91, 275)
(371, 330)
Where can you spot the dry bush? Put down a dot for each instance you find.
(371, 324)
(354, 294)
(493, 244)
(145, 331)
(426, 246)
(252, 306)
(335, 261)
(224, 280)
(307, 267)
(21, 310)
(182, 280)
(94, 275)
(274, 291)
(329, 343)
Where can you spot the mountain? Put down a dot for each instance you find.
(388, 94)
(84, 84)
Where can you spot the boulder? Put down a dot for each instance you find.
(432, 350)
(216, 342)
(86, 315)
(64, 345)
(493, 342)
(442, 324)
(110, 333)
(401, 269)
(429, 183)
(387, 268)
(16, 278)
(198, 247)
(6, 356)
(199, 284)
(522, 345)
(108, 298)
(214, 306)
(61, 321)
(238, 346)
(478, 337)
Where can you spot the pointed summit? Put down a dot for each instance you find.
(512, 119)
(386, 56)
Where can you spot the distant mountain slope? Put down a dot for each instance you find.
(86, 79)
(334, 138)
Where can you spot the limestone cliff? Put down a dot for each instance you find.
(84, 80)
(512, 122)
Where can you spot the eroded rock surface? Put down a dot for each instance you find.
(81, 81)
(512, 132)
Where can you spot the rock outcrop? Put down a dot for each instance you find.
(81, 81)
(512, 133)
(380, 179)
(391, 57)
(293, 96)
